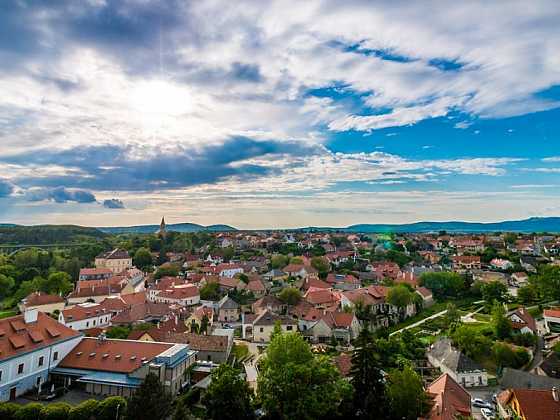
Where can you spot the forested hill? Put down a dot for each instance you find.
(47, 234)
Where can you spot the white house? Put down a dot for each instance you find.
(85, 315)
(552, 320)
(182, 294)
(30, 346)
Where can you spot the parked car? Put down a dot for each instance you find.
(479, 402)
(487, 414)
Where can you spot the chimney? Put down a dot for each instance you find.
(555, 395)
(30, 316)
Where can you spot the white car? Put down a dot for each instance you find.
(487, 414)
(479, 402)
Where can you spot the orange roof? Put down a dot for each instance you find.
(112, 355)
(79, 312)
(450, 399)
(554, 313)
(39, 298)
(35, 335)
(180, 292)
(536, 404)
(134, 298)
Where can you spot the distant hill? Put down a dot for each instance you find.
(46, 234)
(178, 227)
(534, 224)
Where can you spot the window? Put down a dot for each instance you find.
(262, 329)
(87, 324)
(20, 369)
(0, 375)
(38, 381)
(55, 355)
(41, 360)
(288, 328)
(94, 322)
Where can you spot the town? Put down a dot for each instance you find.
(283, 324)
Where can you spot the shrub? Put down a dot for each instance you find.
(30, 411)
(56, 411)
(110, 407)
(84, 411)
(8, 411)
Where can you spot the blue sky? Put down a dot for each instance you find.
(269, 114)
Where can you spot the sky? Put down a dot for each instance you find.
(278, 114)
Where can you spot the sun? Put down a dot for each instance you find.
(160, 98)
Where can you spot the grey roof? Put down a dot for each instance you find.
(270, 318)
(513, 378)
(551, 365)
(228, 303)
(452, 358)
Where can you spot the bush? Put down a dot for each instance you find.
(506, 356)
(525, 339)
(56, 411)
(8, 411)
(110, 407)
(31, 411)
(85, 411)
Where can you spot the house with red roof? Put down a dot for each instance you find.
(449, 399)
(30, 345)
(552, 320)
(343, 326)
(43, 302)
(529, 404)
(522, 321)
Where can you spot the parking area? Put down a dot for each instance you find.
(484, 394)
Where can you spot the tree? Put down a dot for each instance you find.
(112, 408)
(500, 322)
(143, 258)
(204, 323)
(59, 283)
(167, 270)
(6, 286)
(527, 294)
(210, 291)
(443, 284)
(406, 394)
(321, 264)
(470, 341)
(150, 401)
(452, 317)
(84, 411)
(8, 410)
(290, 296)
(279, 261)
(296, 260)
(400, 296)
(494, 290)
(56, 411)
(295, 384)
(505, 356)
(370, 398)
(228, 396)
(121, 332)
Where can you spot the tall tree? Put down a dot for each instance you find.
(143, 258)
(228, 396)
(150, 401)
(406, 394)
(295, 384)
(500, 321)
(370, 400)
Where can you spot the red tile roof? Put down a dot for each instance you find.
(95, 271)
(450, 399)
(554, 313)
(40, 298)
(180, 292)
(536, 404)
(79, 312)
(112, 355)
(344, 363)
(17, 337)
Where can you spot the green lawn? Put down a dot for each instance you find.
(6, 314)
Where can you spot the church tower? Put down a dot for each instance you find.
(162, 230)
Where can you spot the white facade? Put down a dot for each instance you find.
(23, 372)
(231, 272)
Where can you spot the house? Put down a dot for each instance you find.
(210, 348)
(300, 270)
(550, 366)
(342, 281)
(426, 295)
(519, 279)
(343, 326)
(197, 316)
(101, 366)
(228, 270)
(141, 313)
(522, 321)
(95, 274)
(228, 310)
(84, 316)
(275, 275)
(513, 378)
(263, 325)
(529, 404)
(466, 262)
(228, 284)
(461, 368)
(322, 298)
(450, 400)
(43, 302)
(552, 320)
(501, 264)
(30, 345)
(116, 260)
(268, 302)
(183, 295)
(256, 286)
(94, 293)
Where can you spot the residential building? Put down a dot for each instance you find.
(95, 274)
(466, 262)
(450, 400)
(461, 368)
(117, 260)
(343, 326)
(552, 320)
(43, 302)
(84, 316)
(228, 310)
(30, 345)
(104, 367)
(263, 325)
(522, 321)
(529, 404)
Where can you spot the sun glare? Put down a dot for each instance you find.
(158, 98)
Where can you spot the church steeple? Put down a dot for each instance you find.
(162, 228)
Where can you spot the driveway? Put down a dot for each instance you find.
(420, 322)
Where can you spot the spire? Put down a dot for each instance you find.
(162, 224)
